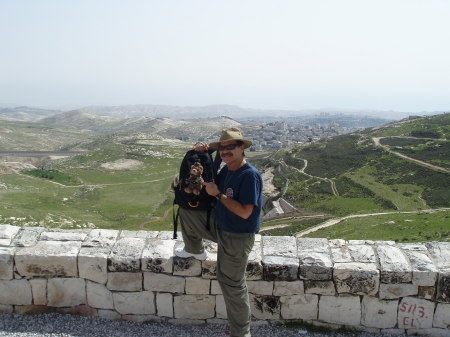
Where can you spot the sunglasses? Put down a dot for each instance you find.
(227, 147)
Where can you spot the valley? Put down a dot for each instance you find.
(119, 177)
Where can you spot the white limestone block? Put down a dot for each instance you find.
(126, 255)
(6, 263)
(265, 307)
(63, 236)
(7, 234)
(186, 266)
(442, 316)
(194, 306)
(394, 265)
(315, 266)
(440, 254)
(354, 253)
(280, 268)
(48, 258)
(319, 287)
(424, 272)
(215, 288)
(284, 246)
(93, 264)
(415, 247)
(15, 292)
(340, 310)
(393, 332)
(138, 234)
(164, 304)
(285, 288)
(356, 278)
(340, 254)
(209, 267)
(443, 286)
(197, 286)
(428, 293)
(27, 237)
(6, 309)
(377, 313)
(101, 238)
(135, 303)
(66, 292)
(312, 245)
(158, 255)
(391, 291)
(364, 242)
(299, 307)
(123, 281)
(221, 309)
(337, 243)
(98, 296)
(260, 287)
(39, 291)
(164, 283)
(167, 235)
(108, 314)
(362, 253)
(415, 313)
(254, 269)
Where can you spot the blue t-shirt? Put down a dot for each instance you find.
(243, 185)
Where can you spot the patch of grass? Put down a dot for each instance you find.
(414, 227)
(339, 206)
(54, 175)
(404, 197)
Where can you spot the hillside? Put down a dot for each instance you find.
(191, 129)
(25, 113)
(24, 136)
(401, 166)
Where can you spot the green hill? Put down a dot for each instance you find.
(364, 172)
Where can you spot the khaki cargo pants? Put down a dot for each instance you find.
(232, 258)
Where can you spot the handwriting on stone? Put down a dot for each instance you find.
(415, 314)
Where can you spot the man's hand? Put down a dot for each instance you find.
(211, 188)
(234, 206)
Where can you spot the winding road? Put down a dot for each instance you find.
(335, 221)
(376, 141)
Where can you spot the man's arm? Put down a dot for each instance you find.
(234, 206)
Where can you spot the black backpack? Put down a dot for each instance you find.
(183, 184)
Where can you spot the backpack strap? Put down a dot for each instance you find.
(216, 163)
(175, 218)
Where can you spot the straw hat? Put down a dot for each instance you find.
(229, 135)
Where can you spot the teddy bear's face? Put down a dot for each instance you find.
(196, 169)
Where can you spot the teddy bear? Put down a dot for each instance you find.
(194, 181)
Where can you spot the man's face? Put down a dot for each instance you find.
(230, 151)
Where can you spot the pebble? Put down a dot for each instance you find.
(60, 325)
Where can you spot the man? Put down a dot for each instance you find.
(239, 194)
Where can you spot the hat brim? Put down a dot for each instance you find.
(247, 143)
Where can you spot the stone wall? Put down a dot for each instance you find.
(375, 286)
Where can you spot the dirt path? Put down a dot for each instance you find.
(90, 185)
(376, 141)
(291, 218)
(335, 221)
(331, 181)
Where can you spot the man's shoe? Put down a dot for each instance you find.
(180, 252)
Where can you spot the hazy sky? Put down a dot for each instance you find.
(282, 54)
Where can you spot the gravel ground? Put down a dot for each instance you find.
(59, 325)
